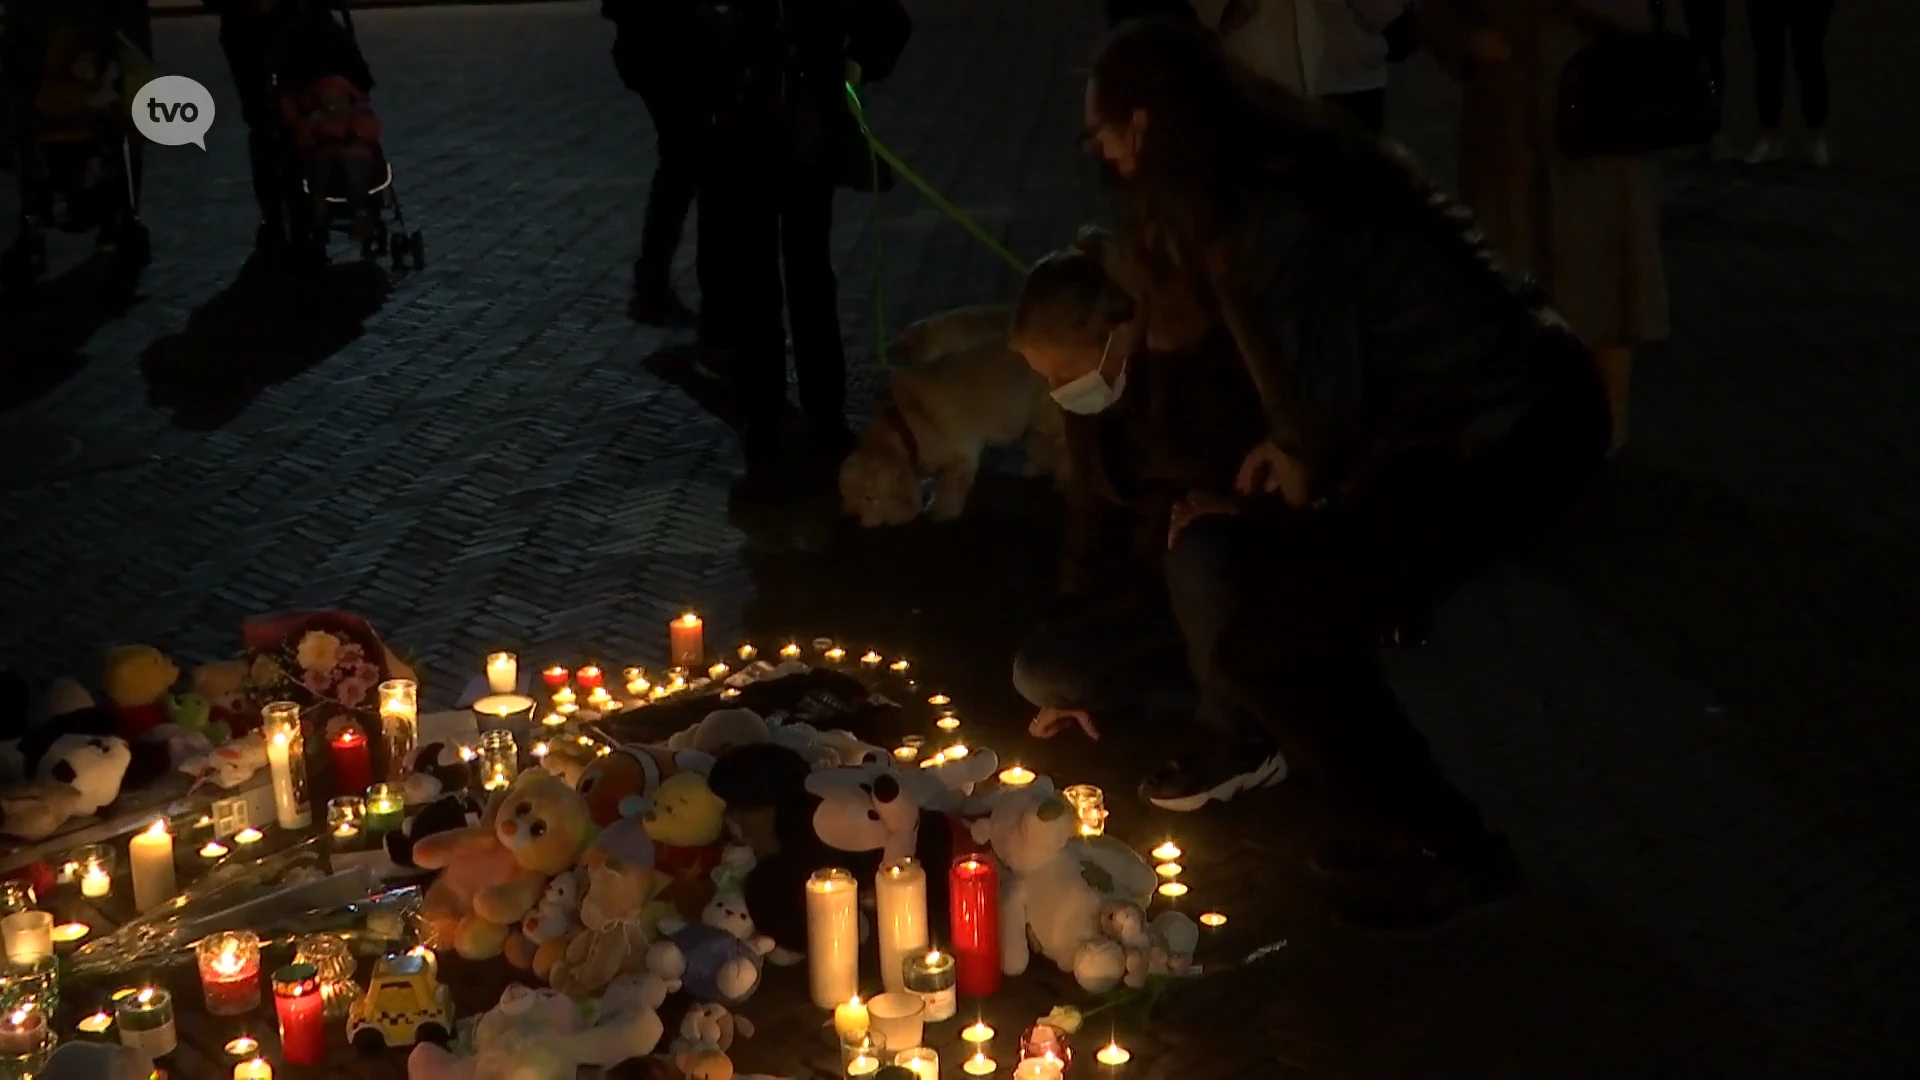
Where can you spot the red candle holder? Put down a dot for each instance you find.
(556, 677)
(589, 677)
(973, 909)
(352, 759)
(1044, 1040)
(230, 971)
(303, 1017)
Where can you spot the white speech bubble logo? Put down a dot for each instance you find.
(173, 110)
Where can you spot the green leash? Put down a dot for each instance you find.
(877, 152)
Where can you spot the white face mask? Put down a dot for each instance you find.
(1092, 393)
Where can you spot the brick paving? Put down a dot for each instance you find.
(1694, 717)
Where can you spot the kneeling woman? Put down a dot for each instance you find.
(1424, 418)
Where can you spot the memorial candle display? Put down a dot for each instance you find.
(922, 1062)
(230, 972)
(287, 759)
(900, 894)
(1089, 806)
(23, 1031)
(1039, 1068)
(974, 911)
(386, 808)
(833, 937)
(302, 1012)
(589, 678)
(1044, 1040)
(931, 976)
(346, 823)
(151, 854)
(687, 642)
(253, 1069)
(146, 1022)
(499, 760)
(399, 726)
(94, 866)
(28, 936)
(555, 677)
(503, 673)
(352, 758)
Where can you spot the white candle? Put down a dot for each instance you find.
(503, 673)
(921, 1061)
(1113, 1055)
(69, 932)
(28, 936)
(152, 855)
(1039, 1068)
(977, 1033)
(95, 882)
(833, 937)
(287, 759)
(979, 1064)
(863, 1065)
(900, 892)
(257, 1069)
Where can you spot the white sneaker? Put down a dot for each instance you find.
(1817, 151)
(1768, 149)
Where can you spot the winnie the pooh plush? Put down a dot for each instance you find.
(223, 684)
(494, 873)
(633, 770)
(137, 679)
(687, 823)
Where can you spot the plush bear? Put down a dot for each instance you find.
(687, 823)
(541, 1035)
(614, 913)
(223, 683)
(76, 776)
(433, 769)
(62, 697)
(553, 922)
(1045, 898)
(1162, 946)
(492, 874)
(137, 679)
(631, 771)
(709, 962)
(721, 731)
(709, 1023)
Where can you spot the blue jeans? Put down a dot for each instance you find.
(1146, 655)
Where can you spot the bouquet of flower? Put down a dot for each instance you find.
(326, 661)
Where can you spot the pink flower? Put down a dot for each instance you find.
(352, 690)
(316, 682)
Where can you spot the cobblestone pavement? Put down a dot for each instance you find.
(1695, 717)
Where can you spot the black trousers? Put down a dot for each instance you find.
(1799, 26)
(764, 245)
(1707, 26)
(1368, 107)
(1306, 656)
(648, 69)
(245, 48)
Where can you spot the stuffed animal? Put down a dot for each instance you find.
(703, 1063)
(709, 962)
(137, 679)
(194, 713)
(227, 767)
(687, 823)
(492, 874)
(434, 769)
(62, 697)
(552, 923)
(458, 809)
(569, 759)
(721, 731)
(78, 775)
(613, 912)
(223, 683)
(709, 1023)
(540, 1035)
(632, 771)
(1045, 898)
(1163, 946)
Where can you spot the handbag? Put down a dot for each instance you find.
(1632, 94)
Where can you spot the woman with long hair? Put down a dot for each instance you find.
(1425, 417)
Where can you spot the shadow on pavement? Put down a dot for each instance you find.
(679, 365)
(266, 327)
(43, 334)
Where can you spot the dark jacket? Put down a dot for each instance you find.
(1375, 321)
(1184, 423)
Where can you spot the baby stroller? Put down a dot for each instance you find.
(71, 67)
(319, 50)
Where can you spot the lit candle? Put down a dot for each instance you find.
(23, 1032)
(909, 748)
(1089, 806)
(287, 758)
(900, 903)
(97, 1024)
(687, 641)
(922, 1062)
(499, 760)
(538, 751)
(862, 1064)
(152, 855)
(979, 1064)
(230, 972)
(634, 675)
(1172, 890)
(302, 1011)
(718, 671)
(899, 667)
(249, 835)
(600, 698)
(69, 932)
(503, 672)
(213, 849)
(346, 819)
(555, 677)
(245, 1046)
(399, 726)
(564, 696)
(589, 677)
(1168, 869)
(851, 1017)
(1167, 852)
(730, 692)
(948, 723)
(974, 916)
(956, 751)
(28, 936)
(1040, 1068)
(835, 654)
(939, 701)
(931, 976)
(871, 658)
(352, 760)
(386, 808)
(1017, 777)
(256, 1069)
(1113, 1055)
(833, 937)
(790, 651)
(95, 881)
(1213, 919)
(146, 1022)
(746, 653)
(977, 1033)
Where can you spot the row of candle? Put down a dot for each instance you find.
(230, 977)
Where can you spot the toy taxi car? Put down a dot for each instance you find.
(404, 1004)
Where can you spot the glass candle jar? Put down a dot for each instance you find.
(28, 936)
(230, 972)
(1089, 807)
(34, 984)
(145, 1020)
(499, 760)
(862, 1052)
(17, 895)
(347, 823)
(26, 1034)
(931, 975)
(399, 726)
(386, 809)
(302, 1013)
(287, 759)
(333, 967)
(93, 867)
(1044, 1040)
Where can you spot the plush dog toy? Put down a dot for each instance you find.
(76, 776)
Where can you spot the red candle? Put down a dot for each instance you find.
(556, 677)
(973, 908)
(588, 677)
(352, 760)
(230, 972)
(302, 1009)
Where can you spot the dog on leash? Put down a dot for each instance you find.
(961, 390)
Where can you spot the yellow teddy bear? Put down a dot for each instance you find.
(687, 823)
(137, 679)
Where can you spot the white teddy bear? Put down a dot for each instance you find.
(1046, 898)
(558, 913)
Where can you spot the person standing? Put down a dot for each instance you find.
(1779, 27)
(1334, 51)
(652, 46)
(784, 140)
(1586, 229)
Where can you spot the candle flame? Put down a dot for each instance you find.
(158, 828)
(939, 700)
(144, 996)
(347, 736)
(1173, 889)
(933, 956)
(1167, 852)
(717, 671)
(871, 657)
(467, 753)
(280, 738)
(689, 620)
(747, 652)
(248, 835)
(20, 1015)
(956, 751)
(1213, 918)
(790, 650)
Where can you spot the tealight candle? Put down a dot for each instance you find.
(553, 721)
(1089, 806)
(94, 865)
(253, 1069)
(566, 708)
(746, 652)
(386, 808)
(730, 692)
(589, 677)
(151, 853)
(835, 654)
(346, 822)
(1113, 1055)
(600, 698)
(851, 1017)
(1172, 890)
(249, 835)
(230, 972)
(555, 677)
(899, 667)
(69, 932)
(1213, 919)
(922, 1062)
(833, 937)
(1040, 1068)
(909, 748)
(245, 1046)
(871, 658)
(400, 727)
(687, 641)
(213, 849)
(956, 751)
(1167, 852)
(939, 701)
(948, 723)
(146, 1022)
(23, 1032)
(1017, 777)
(97, 1024)
(1168, 869)
(862, 1064)
(790, 651)
(718, 671)
(979, 1064)
(564, 696)
(977, 1033)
